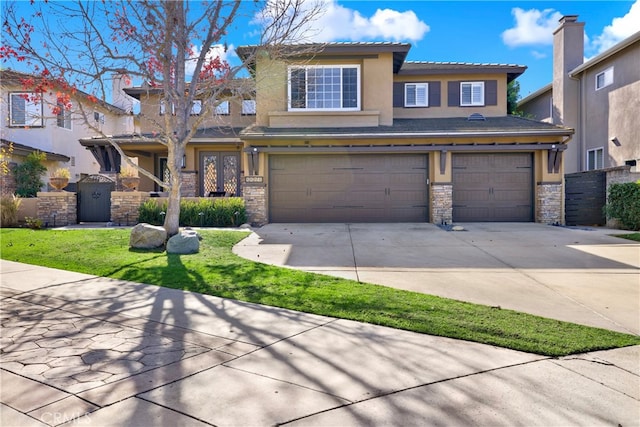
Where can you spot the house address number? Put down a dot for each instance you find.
(253, 179)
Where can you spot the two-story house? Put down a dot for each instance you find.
(352, 132)
(31, 122)
(599, 98)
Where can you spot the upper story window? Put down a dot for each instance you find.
(416, 95)
(163, 108)
(248, 107)
(472, 93)
(604, 78)
(98, 117)
(222, 109)
(595, 159)
(196, 108)
(63, 117)
(324, 88)
(25, 109)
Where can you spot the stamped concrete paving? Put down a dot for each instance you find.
(229, 363)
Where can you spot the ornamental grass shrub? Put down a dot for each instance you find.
(211, 212)
(9, 206)
(623, 204)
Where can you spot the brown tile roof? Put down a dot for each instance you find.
(416, 128)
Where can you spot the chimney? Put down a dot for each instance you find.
(119, 98)
(568, 53)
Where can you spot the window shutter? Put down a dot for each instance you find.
(453, 94)
(398, 94)
(491, 92)
(434, 94)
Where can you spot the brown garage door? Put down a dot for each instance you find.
(493, 187)
(348, 188)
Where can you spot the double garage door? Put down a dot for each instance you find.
(393, 187)
(348, 188)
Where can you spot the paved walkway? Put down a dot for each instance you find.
(83, 350)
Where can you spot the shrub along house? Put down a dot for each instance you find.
(354, 133)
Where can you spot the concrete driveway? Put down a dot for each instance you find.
(581, 275)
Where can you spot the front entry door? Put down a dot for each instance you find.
(220, 174)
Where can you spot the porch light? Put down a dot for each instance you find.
(184, 161)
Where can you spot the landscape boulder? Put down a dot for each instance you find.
(185, 242)
(147, 236)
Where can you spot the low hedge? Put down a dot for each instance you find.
(623, 204)
(213, 212)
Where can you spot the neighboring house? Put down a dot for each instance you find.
(351, 132)
(212, 162)
(31, 123)
(354, 133)
(599, 98)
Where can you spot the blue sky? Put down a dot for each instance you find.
(475, 31)
(514, 32)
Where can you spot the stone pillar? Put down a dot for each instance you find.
(549, 203)
(255, 201)
(125, 205)
(189, 184)
(441, 203)
(57, 208)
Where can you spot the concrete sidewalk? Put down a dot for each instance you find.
(84, 350)
(580, 275)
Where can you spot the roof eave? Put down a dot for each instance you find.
(408, 135)
(606, 54)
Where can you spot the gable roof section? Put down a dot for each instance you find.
(334, 49)
(634, 38)
(427, 67)
(419, 128)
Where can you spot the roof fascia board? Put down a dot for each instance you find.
(606, 54)
(407, 148)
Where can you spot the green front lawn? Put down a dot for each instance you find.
(631, 236)
(217, 271)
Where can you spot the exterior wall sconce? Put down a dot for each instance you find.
(184, 161)
(616, 141)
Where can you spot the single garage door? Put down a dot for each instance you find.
(493, 187)
(348, 188)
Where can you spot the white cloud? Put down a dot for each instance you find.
(533, 27)
(619, 29)
(339, 23)
(225, 54)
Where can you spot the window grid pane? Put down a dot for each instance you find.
(324, 88)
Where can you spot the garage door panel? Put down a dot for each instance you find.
(492, 187)
(348, 188)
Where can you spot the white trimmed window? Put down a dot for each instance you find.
(196, 108)
(248, 107)
(222, 109)
(25, 110)
(63, 118)
(324, 88)
(604, 78)
(471, 93)
(595, 159)
(416, 95)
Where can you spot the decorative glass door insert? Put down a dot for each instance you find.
(220, 173)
